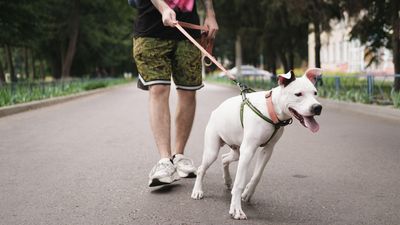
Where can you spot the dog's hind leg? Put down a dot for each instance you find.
(227, 158)
(212, 144)
(262, 159)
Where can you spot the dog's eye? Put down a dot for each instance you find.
(315, 93)
(299, 94)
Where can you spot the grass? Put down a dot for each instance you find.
(30, 91)
(396, 99)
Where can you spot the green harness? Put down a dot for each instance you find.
(246, 101)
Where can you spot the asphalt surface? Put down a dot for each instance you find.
(87, 162)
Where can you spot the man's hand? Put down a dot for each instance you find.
(168, 15)
(210, 20)
(212, 25)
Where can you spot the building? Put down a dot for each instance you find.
(338, 53)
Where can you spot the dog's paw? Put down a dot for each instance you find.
(237, 214)
(197, 194)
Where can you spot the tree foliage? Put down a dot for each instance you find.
(86, 37)
(377, 25)
(77, 37)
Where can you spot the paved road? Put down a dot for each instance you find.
(87, 161)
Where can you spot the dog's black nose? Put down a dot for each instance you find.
(316, 109)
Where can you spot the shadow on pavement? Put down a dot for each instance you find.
(166, 189)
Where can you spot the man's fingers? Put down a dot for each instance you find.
(169, 18)
(212, 32)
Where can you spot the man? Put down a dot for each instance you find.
(159, 51)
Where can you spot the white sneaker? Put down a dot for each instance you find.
(184, 166)
(164, 172)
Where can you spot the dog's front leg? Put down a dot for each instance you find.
(262, 159)
(246, 154)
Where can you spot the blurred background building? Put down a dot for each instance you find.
(339, 53)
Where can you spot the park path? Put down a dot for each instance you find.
(86, 162)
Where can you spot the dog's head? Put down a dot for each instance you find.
(298, 97)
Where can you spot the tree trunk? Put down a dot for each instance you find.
(284, 61)
(42, 72)
(291, 60)
(273, 69)
(73, 40)
(33, 65)
(2, 75)
(10, 63)
(317, 37)
(26, 62)
(55, 65)
(238, 55)
(273, 66)
(396, 43)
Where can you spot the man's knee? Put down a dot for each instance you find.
(187, 95)
(159, 90)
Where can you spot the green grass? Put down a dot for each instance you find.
(396, 99)
(30, 91)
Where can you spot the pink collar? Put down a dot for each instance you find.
(271, 108)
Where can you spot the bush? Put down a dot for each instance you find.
(94, 85)
(29, 91)
(396, 98)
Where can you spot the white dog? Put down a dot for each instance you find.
(237, 125)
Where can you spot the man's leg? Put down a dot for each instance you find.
(185, 111)
(160, 118)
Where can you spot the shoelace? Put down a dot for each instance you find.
(185, 161)
(168, 167)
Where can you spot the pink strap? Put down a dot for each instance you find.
(271, 109)
(193, 26)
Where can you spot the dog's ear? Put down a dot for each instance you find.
(285, 79)
(312, 74)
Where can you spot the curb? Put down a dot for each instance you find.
(386, 112)
(23, 107)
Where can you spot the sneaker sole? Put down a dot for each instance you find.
(163, 181)
(157, 182)
(186, 175)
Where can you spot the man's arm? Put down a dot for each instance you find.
(210, 20)
(168, 15)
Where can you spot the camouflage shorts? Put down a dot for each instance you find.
(158, 59)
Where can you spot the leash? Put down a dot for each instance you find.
(243, 88)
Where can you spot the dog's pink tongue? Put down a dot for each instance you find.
(311, 123)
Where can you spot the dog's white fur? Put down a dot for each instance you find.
(224, 127)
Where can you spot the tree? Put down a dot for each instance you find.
(318, 13)
(17, 23)
(377, 25)
(2, 75)
(86, 35)
(269, 27)
(71, 37)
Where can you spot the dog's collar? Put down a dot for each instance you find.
(272, 113)
(271, 108)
